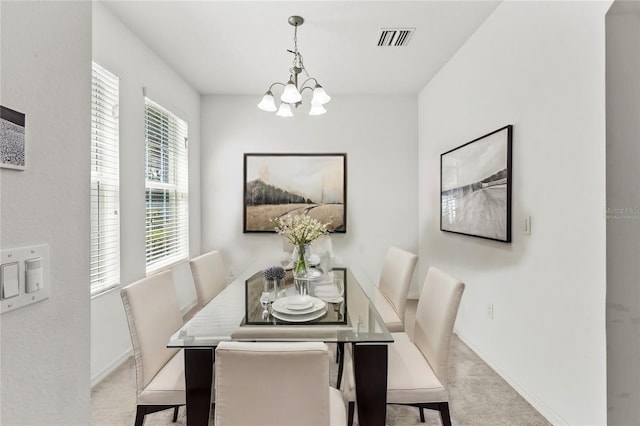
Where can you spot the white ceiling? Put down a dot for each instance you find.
(239, 47)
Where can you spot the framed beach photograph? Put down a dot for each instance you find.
(475, 187)
(279, 184)
(12, 150)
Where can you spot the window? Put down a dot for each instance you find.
(167, 193)
(105, 204)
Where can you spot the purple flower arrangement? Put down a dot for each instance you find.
(273, 273)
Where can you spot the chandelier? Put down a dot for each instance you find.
(292, 94)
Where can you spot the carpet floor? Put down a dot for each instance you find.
(478, 396)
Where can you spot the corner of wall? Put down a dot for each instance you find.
(46, 63)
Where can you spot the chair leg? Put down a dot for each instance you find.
(175, 414)
(352, 408)
(140, 413)
(143, 410)
(421, 414)
(339, 351)
(444, 413)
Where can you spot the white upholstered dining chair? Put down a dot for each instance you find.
(275, 384)
(390, 297)
(395, 279)
(417, 364)
(209, 276)
(153, 315)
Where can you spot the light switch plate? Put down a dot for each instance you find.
(10, 280)
(525, 228)
(39, 288)
(33, 275)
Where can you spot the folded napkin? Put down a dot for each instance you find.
(327, 291)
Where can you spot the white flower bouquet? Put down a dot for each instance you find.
(300, 230)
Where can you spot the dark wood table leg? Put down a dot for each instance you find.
(198, 370)
(370, 369)
(340, 361)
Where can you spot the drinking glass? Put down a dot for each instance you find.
(264, 302)
(339, 283)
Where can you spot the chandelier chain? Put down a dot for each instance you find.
(298, 60)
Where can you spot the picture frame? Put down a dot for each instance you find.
(12, 141)
(277, 184)
(475, 187)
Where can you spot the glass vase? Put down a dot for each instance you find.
(302, 286)
(301, 266)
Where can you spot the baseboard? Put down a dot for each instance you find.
(530, 396)
(111, 367)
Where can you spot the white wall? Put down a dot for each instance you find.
(623, 212)
(116, 48)
(379, 135)
(540, 67)
(46, 58)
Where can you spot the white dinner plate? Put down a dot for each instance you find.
(297, 302)
(283, 307)
(298, 317)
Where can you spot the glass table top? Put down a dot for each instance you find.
(237, 313)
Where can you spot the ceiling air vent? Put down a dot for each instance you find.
(395, 37)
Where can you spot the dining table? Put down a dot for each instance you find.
(244, 312)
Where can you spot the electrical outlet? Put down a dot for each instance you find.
(490, 311)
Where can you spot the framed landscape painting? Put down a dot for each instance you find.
(12, 149)
(475, 187)
(279, 184)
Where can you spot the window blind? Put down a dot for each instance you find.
(167, 187)
(105, 203)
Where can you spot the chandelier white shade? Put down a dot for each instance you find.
(292, 93)
(320, 97)
(284, 110)
(267, 103)
(317, 110)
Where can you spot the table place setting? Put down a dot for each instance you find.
(331, 291)
(270, 299)
(298, 308)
